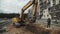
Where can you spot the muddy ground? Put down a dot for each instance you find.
(31, 29)
(28, 29)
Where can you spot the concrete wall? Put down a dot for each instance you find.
(46, 14)
(57, 2)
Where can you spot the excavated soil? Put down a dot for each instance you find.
(31, 29)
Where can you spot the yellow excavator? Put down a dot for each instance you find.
(18, 21)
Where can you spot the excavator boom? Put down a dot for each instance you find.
(20, 20)
(25, 7)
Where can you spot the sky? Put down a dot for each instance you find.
(12, 6)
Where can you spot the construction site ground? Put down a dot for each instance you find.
(35, 28)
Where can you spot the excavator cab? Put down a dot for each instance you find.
(17, 22)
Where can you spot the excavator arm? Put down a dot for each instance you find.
(32, 18)
(34, 2)
(15, 20)
(24, 8)
(20, 20)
